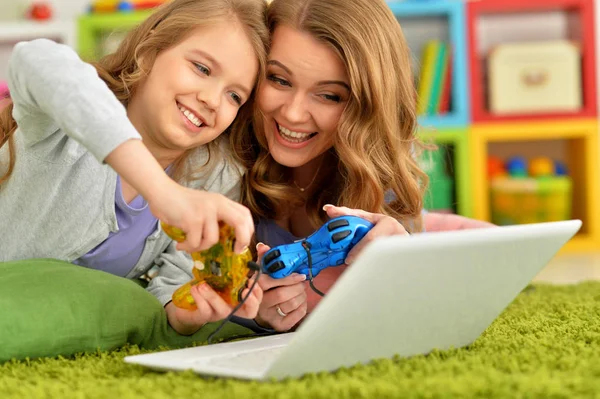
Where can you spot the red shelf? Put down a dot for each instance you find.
(584, 9)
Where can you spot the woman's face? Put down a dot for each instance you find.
(302, 98)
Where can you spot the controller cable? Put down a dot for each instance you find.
(255, 267)
(306, 246)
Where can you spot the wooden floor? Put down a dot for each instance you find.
(571, 269)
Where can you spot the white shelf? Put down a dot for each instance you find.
(15, 31)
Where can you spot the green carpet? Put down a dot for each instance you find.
(546, 344)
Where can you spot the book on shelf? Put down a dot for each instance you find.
(435, 79)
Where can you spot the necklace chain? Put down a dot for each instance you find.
(302, 189)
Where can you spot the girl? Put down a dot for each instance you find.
(335, 124)
(91, 165)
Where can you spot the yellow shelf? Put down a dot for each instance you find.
(581, 243)
(584, 168)
(514, 131)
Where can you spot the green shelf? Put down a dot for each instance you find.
(92, 28)
(457, 140)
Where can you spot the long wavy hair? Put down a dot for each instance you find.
(168, 25)
(376, 145)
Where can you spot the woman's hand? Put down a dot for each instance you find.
(446, 222)
(284, 300)
(211, 308)
(383, 226)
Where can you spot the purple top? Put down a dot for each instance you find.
(121, 251)
(270, 233)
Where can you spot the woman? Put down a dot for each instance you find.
(335, 123)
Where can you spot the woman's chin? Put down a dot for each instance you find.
(289, 158)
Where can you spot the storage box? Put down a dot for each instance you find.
(535, 77)
(530, 200)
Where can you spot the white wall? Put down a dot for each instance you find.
(12, 20)
(63, 9)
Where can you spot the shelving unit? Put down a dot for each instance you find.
(12, 32)
(439, 20)
(475, 133)
(93, 29)
(456, 141)
(511, 21)
(579, 142)
(443, 20)
(573, 135)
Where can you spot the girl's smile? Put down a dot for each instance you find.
(193, 121)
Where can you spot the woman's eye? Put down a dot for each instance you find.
(203, 69)
(236, 98)
(332, 97)
(278, 80)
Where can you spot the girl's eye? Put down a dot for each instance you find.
(332, 97)
(278, 80)
(236, 98)
(203, 69)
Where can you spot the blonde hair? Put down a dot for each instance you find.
(168, 25)
(374, 151)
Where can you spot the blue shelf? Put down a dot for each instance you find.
(452, 119)
(455, 13)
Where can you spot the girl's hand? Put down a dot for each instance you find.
(383, 226)
(286, 295)
(195, 212)
(211, 308)
(198, 213)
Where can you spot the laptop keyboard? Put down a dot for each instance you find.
(258, 359)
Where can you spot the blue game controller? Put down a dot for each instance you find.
(326, 247)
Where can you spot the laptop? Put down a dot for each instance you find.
(402, 296)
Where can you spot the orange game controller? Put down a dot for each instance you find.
(219, 266)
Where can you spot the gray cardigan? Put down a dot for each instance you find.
(60, 200)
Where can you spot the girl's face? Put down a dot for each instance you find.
(302, 98)
(195, 88)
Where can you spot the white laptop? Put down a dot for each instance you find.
(402, 296)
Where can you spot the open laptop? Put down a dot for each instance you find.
(402, 296)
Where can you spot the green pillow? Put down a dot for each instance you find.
(51, 308)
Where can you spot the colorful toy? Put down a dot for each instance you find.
(517, 167)
(219, 266)
(111, 6)
(326, 247)
(495, 167)
(39, 11)
(542, 196)
(560, 168)
(541, 167)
